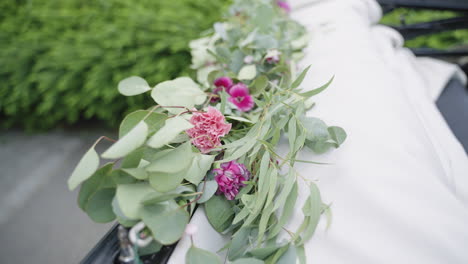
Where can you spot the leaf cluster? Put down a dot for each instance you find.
(162, 176)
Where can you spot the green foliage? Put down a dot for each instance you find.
(61, 61)
(200, 256)
(442, 40)
(163, 177)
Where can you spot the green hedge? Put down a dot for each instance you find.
(61, 60)
(442, 40)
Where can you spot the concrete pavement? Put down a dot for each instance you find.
(40, 221)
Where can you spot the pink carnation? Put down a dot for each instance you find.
(208, 128)
(241, 98)
(230, 178)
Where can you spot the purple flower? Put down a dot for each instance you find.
(222, 83)
(230, 178)
(284, 5)
(241, 98)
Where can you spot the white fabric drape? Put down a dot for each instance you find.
(399, 184)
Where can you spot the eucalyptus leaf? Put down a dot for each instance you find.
(312, 208)
(237, 60)
(265, 42)
(319, 147)
(240, 151)
(300, 78)
(172, 128)
(318, 90)
(202, 75)
(157, 197)
(118, 211)
(99, 180)
(223, 52)
(316, 129)
(200, 166)
(264, 16)
(154, 198)
(224, 96)
(273, 259)
(200, 256)
(264, 252)
(88, 164)
(166, 181)
(133, 86)
(301, 254)
(239, 118)
(173, 161)
(247, 261)
(213, 75)
(219, 213)
(292, 132)
(239, 243)
(242, 214)
(181, 91)
(130, 197)
(289, 256)
(264, 219)
(337, 134)
(138, 173)
(167, 221)
(119, 176)
(259, 85)
(210, 188)
(128, 143)
(152, 248)
(288, 210)
(133, 159)
(99, 206)
(152, 119)
(248, 72)
(247, 40)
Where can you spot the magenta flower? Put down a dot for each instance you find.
(222, 83)
(284, 5)
(230, 178)
(208, 128)
(241, 98)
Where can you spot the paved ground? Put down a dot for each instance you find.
(40, 221)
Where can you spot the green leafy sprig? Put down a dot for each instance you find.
(162, 177)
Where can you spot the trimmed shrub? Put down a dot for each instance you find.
(442, 40)
(61, 60)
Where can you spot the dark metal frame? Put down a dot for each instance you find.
(453, 5)
(432, 27)
(107, 249)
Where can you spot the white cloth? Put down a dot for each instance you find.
(399, 184)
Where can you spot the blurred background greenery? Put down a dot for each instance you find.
(442, 40)
(61, 60)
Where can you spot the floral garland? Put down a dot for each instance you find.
(212, 144)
